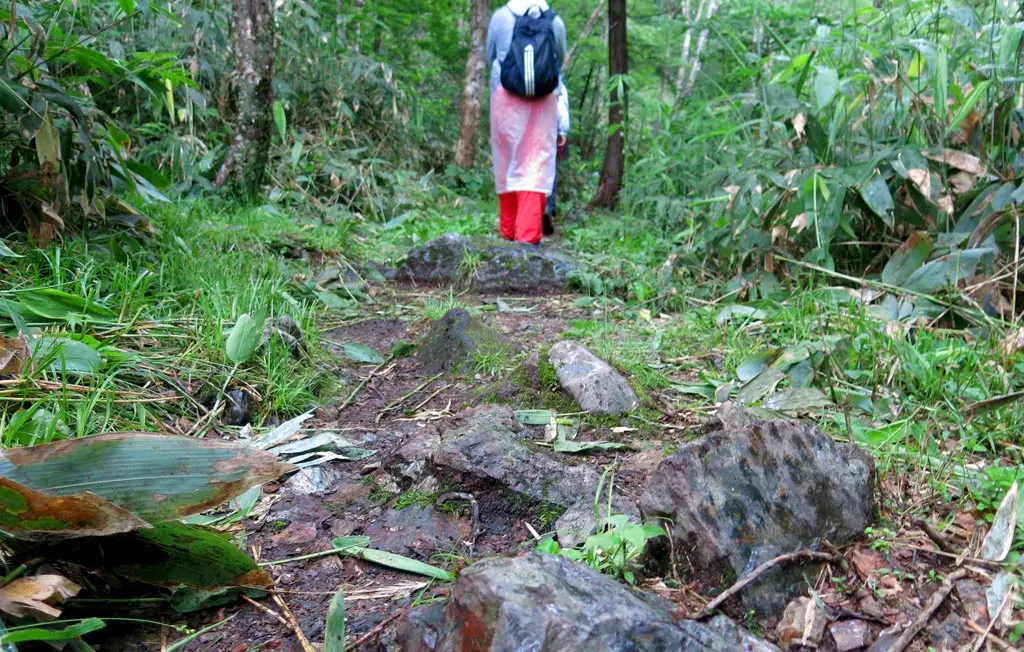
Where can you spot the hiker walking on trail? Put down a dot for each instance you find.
(525, 47)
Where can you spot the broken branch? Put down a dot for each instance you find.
(799, 555)
(911, 632)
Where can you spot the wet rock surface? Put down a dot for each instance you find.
(417, 532)
(548, 603)
(740, 497)
(591, 381)
(451, 341)
(486, 265)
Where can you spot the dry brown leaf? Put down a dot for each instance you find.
(1013, 342)
(962, 182)
(959, 160)
(946, 205)
(779, 234)
(923, 180)
(36, 596)
(799, 223)
(335, 182)
(14, 353)
(733, 191)
(866, 562)
(800, 125)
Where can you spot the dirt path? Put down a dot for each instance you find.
(396, 402)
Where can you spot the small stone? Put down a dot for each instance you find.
(850, 635)
(295, 534)
(239, 407)
(313, 480)
(417, 532)
(972, 597)
(595, 385)
(802, 623)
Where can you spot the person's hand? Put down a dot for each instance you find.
(562, 140)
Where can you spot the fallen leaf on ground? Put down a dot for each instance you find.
(35, 597)
(999, 539)
(14, 353)
(959, 160)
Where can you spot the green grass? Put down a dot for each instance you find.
(176, 295)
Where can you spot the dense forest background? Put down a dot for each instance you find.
(819, 197)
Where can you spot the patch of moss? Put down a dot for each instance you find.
(547, 514)
(414, 498)
(379, 495)
(279, 525)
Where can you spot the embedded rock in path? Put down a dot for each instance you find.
(742, 496)
(492, 446)
(595, 385)
(547, 603)
(487, 265)
(450, 343)
(417, 532)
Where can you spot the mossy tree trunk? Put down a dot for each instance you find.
(618, 67)
(254, 49)
(475, 87)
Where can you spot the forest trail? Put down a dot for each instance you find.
(411, 500)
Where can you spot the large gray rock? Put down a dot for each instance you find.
(486, 265)
(740, 497)
(595, 385)
(451, 341)
(547, 603)
(492, 446)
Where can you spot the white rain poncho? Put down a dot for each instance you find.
(523, 131)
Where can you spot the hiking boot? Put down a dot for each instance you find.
(548, 226)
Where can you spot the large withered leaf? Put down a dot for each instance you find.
(29, 514)
(155, 477)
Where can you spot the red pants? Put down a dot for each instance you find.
(521, 216)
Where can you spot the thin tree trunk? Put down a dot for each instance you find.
(473, 92)
(690, 63)
(359, 25)
(618, 110)
(254, 49)
(584, 35)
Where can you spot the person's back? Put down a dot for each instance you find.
(522, 128)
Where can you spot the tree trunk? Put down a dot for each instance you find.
(618, 64)
(472, 94)
(254, 49)
(690, 62)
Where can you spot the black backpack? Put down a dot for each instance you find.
(531, 68)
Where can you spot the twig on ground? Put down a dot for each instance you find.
(919, 623)
(293, 622)
(799, 555)
(429, 398)
(992, 622)
(397, 403)
(267, 610)
(987, 635)
(360, 386)
(377, 630)
(935, 536)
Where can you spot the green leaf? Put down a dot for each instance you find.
(750, 368)
(334, 634)
(55, 305)
(245, 337)
(947, 271)
(760, 386)
(826, 87)
(186, 600)
(127, 6)
(362, 353)
(968, 105)
(534, 417)
(280, 120)
(61, 355)
(876, 195)
(941, 82)
(565, 446)
(1009, 46)
(797, 400)
(44, 634)
(296, 153)
(391, 560)
(911, 255)
(155, 477)
(7, 252)
(175, 554)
